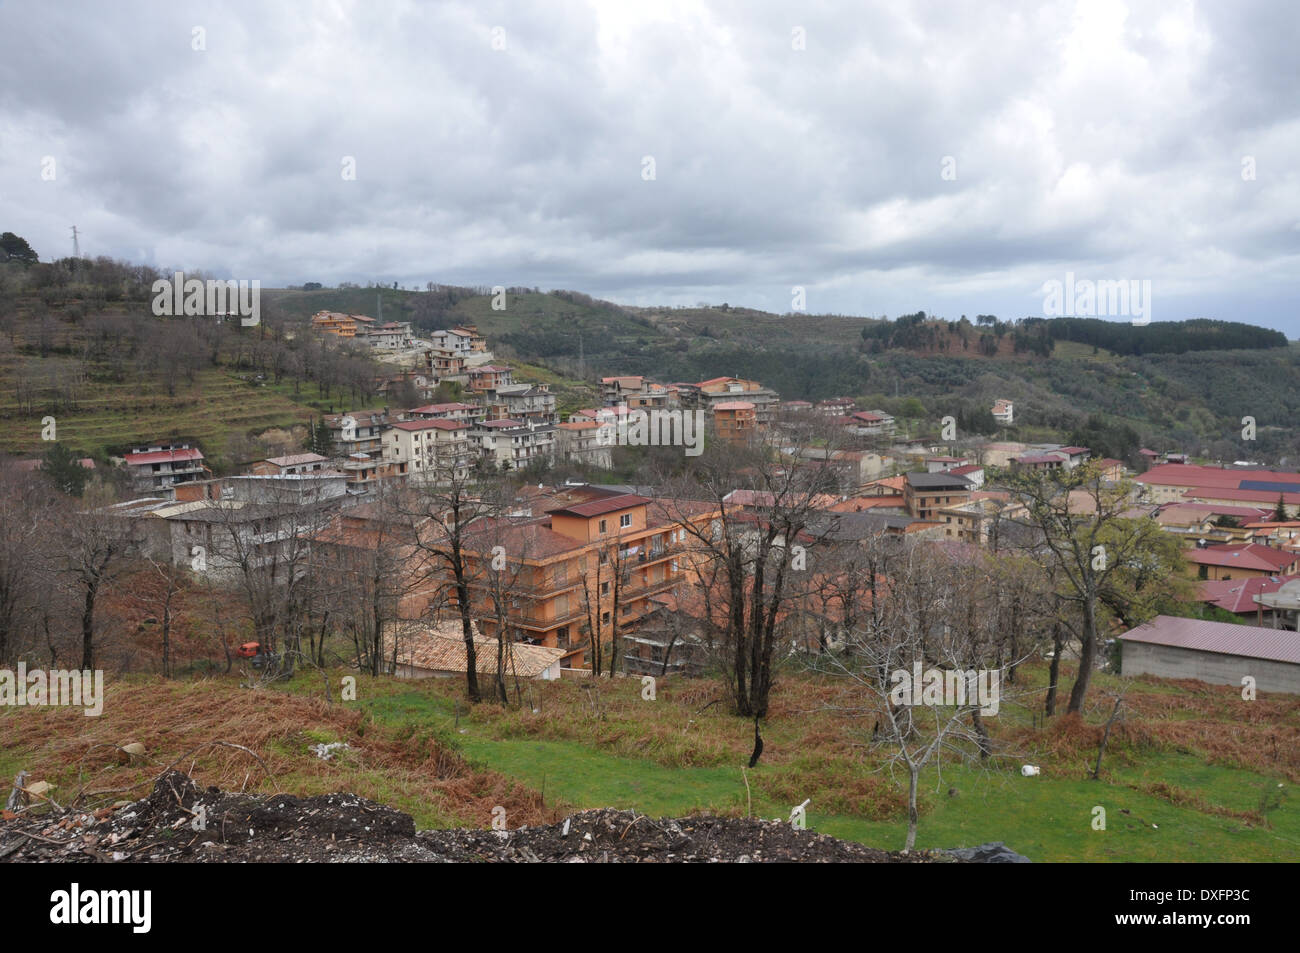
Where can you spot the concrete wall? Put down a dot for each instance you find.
(1164, 661)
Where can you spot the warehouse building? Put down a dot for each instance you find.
(1221, 653)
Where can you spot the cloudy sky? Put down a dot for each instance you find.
(886, 157)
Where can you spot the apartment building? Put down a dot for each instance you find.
(455, 410)
(925, 494)
(708, 393)
(597, 562)
(489, 377)
(587, 442)
(431, 450)
(528, 402)
(163, 465)
(512, 444)
(735, 421)
(359, 431)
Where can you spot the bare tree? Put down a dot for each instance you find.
(923, 665)
(751, 545)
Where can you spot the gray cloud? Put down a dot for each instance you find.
(1103, 138)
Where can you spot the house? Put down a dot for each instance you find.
(294, 463)
(455, 410)
(1111, 469)
(735, 421)
(529, 402)
(1190, 483)
(835, 407)
(1209, 521)
(1038, 461)
(1220, 653)
(163, 465)
(339, 324)
(359, 431)
(512, 444)
(795, 406)
(708, 393)
(444, 365)
(437, 650)
(489, 377)
(459, 341)
(944, 464)
(389, 336)
(1003, 412)
(1238, 596)
(870, 423)
(433, 450)
(976, 520)
(365, 471)
(1242, 560)
(925, 494)
(586, 442)
(567, 568)
(618, 390)
(971, 471)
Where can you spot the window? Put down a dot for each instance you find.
(625, 521)
(604, 588)
(604, 557)
(602, 527)
(604, 617)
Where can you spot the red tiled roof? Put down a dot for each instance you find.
(600, 507)
(442, 408)
(162, 456)
(1236, 595)
(436, 424)
(1193, 475)
(734, 405)
(1244, 555)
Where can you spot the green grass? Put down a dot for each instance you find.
(1047, 818)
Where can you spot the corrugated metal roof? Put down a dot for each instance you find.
(1221, 638)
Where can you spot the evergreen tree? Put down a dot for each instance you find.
(64, 468)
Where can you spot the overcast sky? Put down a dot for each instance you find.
(946, 157)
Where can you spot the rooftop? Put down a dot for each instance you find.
(1222, 638)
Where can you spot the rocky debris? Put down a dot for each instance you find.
(994, 853)
(178, 822)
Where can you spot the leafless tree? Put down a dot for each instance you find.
(751, 546)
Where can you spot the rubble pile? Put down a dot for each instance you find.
(178, 822)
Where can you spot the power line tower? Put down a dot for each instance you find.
(76, 244)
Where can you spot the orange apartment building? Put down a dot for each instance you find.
(735, 421)
(570, 565)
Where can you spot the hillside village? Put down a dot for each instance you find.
(860, 479)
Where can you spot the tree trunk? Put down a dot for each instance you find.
(88, 628)
(1087, 653)
(913, 816)
(1054, 671)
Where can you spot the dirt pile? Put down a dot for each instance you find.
(178, 822)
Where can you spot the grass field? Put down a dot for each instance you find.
(1190, 775)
